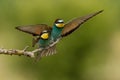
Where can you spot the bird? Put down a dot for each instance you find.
(57, 29)
(47, 37)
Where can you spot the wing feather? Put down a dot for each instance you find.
(74, 24)
(34, 29)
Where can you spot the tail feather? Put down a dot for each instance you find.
(46, 52)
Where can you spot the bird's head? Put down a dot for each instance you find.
(59, 23)
(45, 35)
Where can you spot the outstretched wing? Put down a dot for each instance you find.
(34, 29)
(74, 24)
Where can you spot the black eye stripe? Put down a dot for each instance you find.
(47, 31)
(59, 21)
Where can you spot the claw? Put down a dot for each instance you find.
(25, 48)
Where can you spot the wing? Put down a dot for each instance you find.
(74, 24)
(35, 40)
(34, 29)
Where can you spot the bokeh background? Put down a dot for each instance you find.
(91, 53)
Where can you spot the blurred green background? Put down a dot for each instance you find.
(91, 53)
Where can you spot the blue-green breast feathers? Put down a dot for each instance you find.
(56, 33)
(43, 43)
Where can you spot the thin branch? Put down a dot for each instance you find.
(19, 52)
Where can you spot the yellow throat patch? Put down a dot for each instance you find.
(60, 25)
(45, 36)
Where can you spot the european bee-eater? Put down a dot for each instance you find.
(47, 37)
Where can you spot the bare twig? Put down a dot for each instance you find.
(19, 52)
